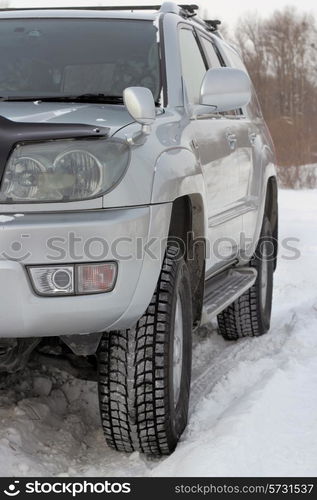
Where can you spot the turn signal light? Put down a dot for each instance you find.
(96, 278)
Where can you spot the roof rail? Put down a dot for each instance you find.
(184, 10)
(187, 10)
(88, 7)
(190, 10)
(164, 7)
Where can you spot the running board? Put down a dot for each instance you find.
(225, 288)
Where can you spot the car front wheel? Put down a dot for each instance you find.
(145, 372)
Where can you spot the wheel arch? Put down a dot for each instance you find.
(187, 228)
(271, 211)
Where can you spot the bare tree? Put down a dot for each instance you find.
(281, 54)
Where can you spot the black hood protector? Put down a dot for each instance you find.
(13, 133)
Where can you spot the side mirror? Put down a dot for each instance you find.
(226, 89)
(140, 104)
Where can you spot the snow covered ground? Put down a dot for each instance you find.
(254, 403)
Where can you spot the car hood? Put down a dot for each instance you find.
(101, 115)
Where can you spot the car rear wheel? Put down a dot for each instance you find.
(144, 372)
(250, 314)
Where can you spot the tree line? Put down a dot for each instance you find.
(280, 53)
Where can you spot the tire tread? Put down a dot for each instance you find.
(133, 377)
(243, 318)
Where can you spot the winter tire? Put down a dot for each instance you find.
(144, 372)
(250, 314)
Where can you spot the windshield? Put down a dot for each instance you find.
(62, 57)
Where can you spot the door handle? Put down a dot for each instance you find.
(252, 137)
(232, 140)
(194, 144)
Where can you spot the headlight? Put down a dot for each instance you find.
(63, 170)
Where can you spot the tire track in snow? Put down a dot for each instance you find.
(222, 363)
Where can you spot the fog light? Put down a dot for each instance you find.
(62, 279)
(96, 278)
(53, 280)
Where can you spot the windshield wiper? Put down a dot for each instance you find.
(100, 98)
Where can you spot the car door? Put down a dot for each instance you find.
(216, 138)
(249, 123)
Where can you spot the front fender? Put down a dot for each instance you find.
(177, 173)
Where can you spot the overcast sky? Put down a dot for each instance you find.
(228, 11)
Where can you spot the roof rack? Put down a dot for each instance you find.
(184, 10)
(86, 7)
(213, 24)
(190, 8)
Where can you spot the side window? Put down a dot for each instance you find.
(213, 59)
(193, 64)
(234, 62)
(254, 107)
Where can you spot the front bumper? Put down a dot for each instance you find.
(133, 237)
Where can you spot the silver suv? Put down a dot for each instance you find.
(138, 199)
